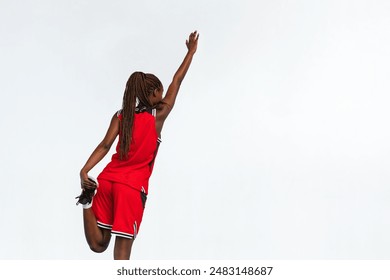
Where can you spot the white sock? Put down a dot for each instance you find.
(87, 206)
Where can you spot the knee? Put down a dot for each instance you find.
(98, 248)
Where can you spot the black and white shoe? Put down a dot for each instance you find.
(87, 194)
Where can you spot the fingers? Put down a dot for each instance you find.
(192, 40)
(88, 183)
(194, 36)
(88, 186)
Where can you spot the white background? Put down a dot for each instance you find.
(278, 147)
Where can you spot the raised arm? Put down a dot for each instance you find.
(173, 89)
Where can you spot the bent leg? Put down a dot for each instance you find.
(98, 238)
(122, 249)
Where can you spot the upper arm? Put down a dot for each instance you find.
(112, 132)
(173, 90)
(163, 111)
(167, 103)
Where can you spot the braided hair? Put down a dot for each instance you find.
(139, 86)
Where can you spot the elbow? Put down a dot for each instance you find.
(105, 147)
(177, 80)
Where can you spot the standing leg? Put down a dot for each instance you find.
(122, 249)
(128, 209)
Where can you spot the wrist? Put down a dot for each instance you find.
(191, 52)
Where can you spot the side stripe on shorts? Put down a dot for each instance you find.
(135, 229)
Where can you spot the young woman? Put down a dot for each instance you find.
(114, 204)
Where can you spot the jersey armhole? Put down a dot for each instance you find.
(119, 114)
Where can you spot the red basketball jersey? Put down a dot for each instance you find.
(136, 170)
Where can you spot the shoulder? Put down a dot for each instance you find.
(118, 114)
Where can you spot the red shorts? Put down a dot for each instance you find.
(119, 208)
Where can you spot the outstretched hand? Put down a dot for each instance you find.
(192, 42)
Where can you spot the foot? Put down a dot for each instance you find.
(87, 194)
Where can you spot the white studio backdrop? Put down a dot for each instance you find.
(278, 147)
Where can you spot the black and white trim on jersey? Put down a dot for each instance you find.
(141, 109)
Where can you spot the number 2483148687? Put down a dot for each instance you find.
(241, 270)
